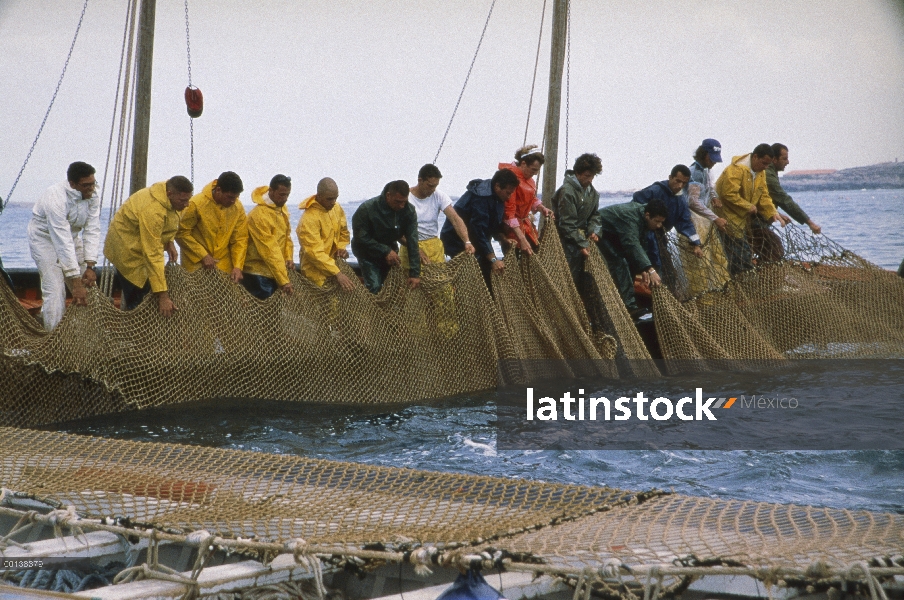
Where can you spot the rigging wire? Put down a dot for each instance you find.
(125, 115)
(533, 82)
(567, 74)
(191, 120)
(47, 114)
(468, 76)
(119, 79)
(121, 169)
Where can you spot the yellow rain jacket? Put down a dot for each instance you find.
(321, 233)
(739, 188)
(208, 228)
(142, 226)
(270, 235)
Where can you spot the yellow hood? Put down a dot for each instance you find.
(208, 189)
(307, 202)
(737, 160)
(260, 196)
(158, 193)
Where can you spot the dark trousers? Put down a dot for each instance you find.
(764, 242)
(652, 245)
(620, 271)
(486, 267)
(738, 253)
(657, 247)
(132, 295)
(373, 274)
(259, 286)
(575, 260)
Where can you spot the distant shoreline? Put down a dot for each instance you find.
(882, 176)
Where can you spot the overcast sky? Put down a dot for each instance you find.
(363, 91)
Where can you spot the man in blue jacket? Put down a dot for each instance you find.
(670, 193)
(481, 208)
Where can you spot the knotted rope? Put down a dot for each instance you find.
(152, 569)
(303, 556)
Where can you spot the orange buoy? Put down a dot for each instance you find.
(194, 102)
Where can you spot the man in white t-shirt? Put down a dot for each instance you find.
(428, 202)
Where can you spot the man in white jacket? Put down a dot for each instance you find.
(64, 237)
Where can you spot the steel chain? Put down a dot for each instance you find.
(47, 114)
(191, 121)
(468, 76)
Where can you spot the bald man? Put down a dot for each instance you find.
(323, 234)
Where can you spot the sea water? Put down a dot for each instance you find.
(459, 434)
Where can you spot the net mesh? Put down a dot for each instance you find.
(277, 497)
(445, 338)
(616, 536)
(802, 296)
(451, 336)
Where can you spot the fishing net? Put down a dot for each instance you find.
(798, 296)
(447, 337)
(450, 336)
(612, 541)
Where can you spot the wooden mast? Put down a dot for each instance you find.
(554, 104)
(142, 128)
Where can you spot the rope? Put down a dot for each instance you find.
(303, 556)
(876, 591)
(125, 114)
(152, 569)
(122, 60)
(579, 585)
(468, 76)
(205, 549)
(25, 522)
(309, 554)
(422, 558)
(47, 114)
(653, 585)
(191, 121)
(67, 518)
(533, 82)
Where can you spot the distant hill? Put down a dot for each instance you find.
(883, 175)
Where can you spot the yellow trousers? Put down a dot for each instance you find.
(432, 247)
(708, 273)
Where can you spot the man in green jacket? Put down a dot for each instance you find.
(377, 226)
(576, 208)
(779, 197)
(623, 231)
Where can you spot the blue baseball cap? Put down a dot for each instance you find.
(713, 148)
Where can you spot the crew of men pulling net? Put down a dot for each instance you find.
(400, 228)
(240, 321)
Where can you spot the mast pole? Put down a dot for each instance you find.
(554, 104)
(143, 69)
